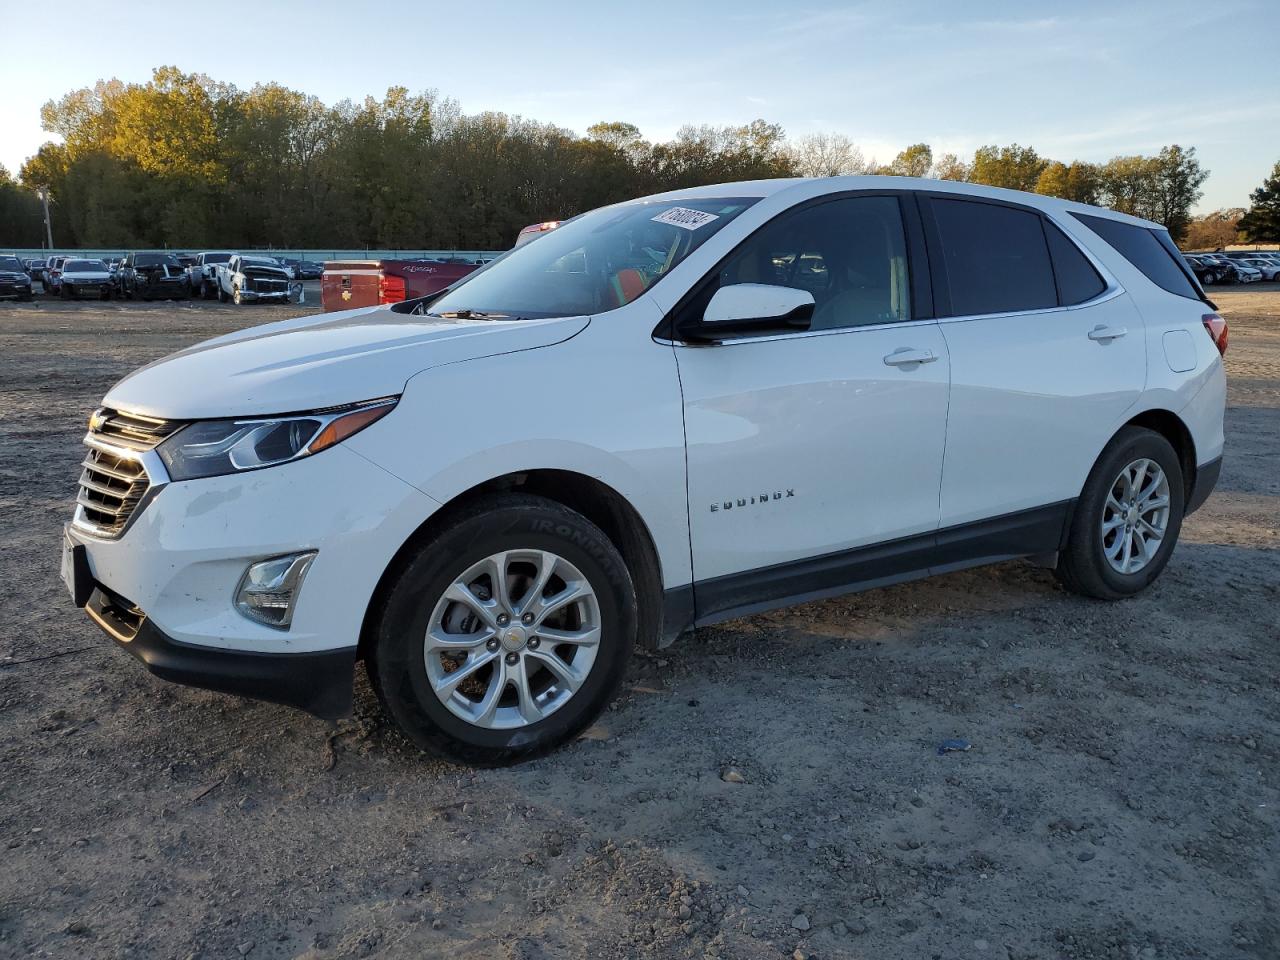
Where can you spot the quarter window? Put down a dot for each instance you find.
(1077, 280)
(995, 256)
(1146, 249)
(851, 254)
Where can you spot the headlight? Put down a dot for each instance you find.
(211, 448)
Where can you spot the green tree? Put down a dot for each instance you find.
(1262, 223)
(1013, 167)
(915, 161)
(1178, 178)
(1075, 181)
(951, 167)
(21, 217)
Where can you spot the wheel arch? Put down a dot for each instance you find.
(1170, 426)
(594, 499)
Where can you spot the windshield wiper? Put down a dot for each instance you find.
(467, 314)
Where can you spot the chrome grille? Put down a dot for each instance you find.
(131, 430)
(114, 480)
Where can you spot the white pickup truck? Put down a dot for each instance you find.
(201, 274)
(247, 279)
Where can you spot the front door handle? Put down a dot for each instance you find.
(1106, 334)
(904, 356)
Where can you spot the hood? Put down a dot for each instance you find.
(318, 361)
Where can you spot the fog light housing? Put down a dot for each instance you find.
(269, 589)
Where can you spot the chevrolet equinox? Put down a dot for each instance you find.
(665, 413)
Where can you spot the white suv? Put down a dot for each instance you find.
(663, 414)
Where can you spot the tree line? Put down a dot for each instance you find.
(186, 161)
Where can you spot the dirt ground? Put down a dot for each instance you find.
(1121, 798)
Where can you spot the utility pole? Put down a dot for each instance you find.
(48, 227)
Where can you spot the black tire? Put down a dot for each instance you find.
(64, 291)
(222, 294)
(396, 664)
(1083, 567)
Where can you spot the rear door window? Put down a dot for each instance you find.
(1146, 250)
(1078, 281)
(996, 258)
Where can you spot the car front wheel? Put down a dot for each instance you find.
(505, 635)
(1127, 519)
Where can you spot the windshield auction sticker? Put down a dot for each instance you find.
(684, 217)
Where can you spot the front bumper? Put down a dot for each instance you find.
(319, 683)
(280, 295)
(179, 562)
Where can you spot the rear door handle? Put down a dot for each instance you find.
(1106, 334)
(906, 355)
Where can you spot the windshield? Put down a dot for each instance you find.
(596, 262)
(217, 257)
(83, 266)
(258, 262)
(10, 263)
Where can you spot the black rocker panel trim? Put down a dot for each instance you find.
(1041, 530)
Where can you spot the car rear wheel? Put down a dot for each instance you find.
(1127, 519)
(505, 635)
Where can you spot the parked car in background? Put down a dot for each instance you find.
(52, 269)
(185, 259)
(1206, 271)
(305, 269)
(152, 276)
(1244, 272)
(14, 279)
(493, 496)
(202, 273)
(249, 279)
(367, 283)
(1269, 269)
(34, 268)
(85, 278)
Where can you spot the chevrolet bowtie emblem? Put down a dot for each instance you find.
(96, 421)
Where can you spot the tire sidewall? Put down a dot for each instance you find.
(1138, 445)
(400, 669)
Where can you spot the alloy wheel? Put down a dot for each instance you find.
(512, 639)
(1135, 516)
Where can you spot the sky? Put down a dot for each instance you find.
(1088, 80)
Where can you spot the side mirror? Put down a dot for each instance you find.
(742, 309)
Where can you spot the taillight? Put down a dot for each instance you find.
(1217, 328)
(390, 289)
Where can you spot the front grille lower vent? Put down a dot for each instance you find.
(113, 478)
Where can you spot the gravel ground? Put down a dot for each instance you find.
(767, 788)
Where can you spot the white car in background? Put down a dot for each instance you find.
(80, 278)
(252, 279)
(1245, 271)
(1270, 269)
(665, 413)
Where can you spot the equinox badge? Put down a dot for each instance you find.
(750, 501)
